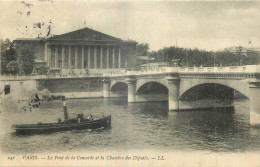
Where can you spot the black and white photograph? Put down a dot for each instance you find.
(130, 83)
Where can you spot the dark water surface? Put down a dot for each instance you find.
(146, 125)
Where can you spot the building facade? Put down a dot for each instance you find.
(83, 51)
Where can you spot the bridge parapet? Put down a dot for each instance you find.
(157, 71)
(249, 71)
(230, 69)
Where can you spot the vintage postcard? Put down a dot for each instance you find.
(129, 83)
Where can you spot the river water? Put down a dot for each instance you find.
(146, 125)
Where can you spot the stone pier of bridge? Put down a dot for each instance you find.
(173, 92)
(254, 97)
(131, 84)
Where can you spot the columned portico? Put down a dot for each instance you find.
(73, 56)
(72, 52)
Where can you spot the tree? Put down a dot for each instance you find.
(12, 67)
(25, 59)
(7, 54)
(153, 54)
(196, 57)
(142, 49)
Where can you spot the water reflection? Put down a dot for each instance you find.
(215, 130)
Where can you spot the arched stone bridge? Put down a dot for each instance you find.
(244, 79)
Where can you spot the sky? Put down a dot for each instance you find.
(189, 24)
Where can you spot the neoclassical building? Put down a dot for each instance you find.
(76, 51)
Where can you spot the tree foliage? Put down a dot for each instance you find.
(25, 59)
(12, 67)
(19, 59)
(7, 54)
(196, 57)
(142, 49)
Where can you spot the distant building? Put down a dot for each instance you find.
(243, 50)
(144, 60)
(76, 51)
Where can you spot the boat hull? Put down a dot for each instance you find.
(56, 127)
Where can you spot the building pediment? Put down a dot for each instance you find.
(85, 34)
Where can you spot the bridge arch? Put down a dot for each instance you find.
(238, 85)
(143, 82)
(121, 85)
(152, 87)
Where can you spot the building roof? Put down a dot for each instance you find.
(28, 39)
(85, 34)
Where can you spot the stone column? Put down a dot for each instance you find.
(107, 57)
(56, 57)
(106, 87)
(173, 93)
(95, 57)
(89, 60)
(62, 57)
(131, 82)
(49, 56)
(46, 52)
(76, 57)
(69, 57)
(119, 57)
(82, 57)
(101, 57)
(113, 61)
(254, 96)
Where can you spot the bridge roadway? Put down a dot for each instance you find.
(244, 79)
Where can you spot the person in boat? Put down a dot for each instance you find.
(80, 118)
(91, 117)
